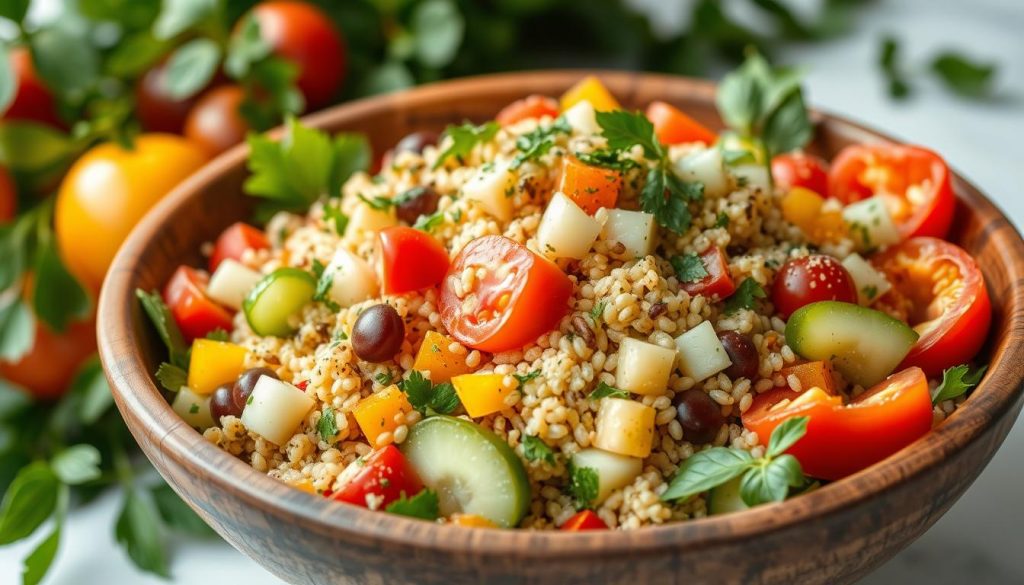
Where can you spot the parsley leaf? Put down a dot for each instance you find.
(963, 76)
(383, 378)
(956, 381)
(218, 334)
(722, 220)
(171, 377)
(707, 469)
(624, 129)
(889, 62)
(324, 283)
(603, 390)
(424, 396)
(745, 296)
(464, 138)
(377, 202)
(538, 142)
(444, 399)
(160, 315)
(607, 159)
(689, 267)
(597, 311)
(327, 426)
(334, 217)
(524, 378)
(429, 223)
(536, 449)
(583, 485)
(423, 505)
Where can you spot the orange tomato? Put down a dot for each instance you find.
(674, 127)
(108, 190)
(47, 369)
(531, 106)
(215, 122)
(8, 196)
(590, 187)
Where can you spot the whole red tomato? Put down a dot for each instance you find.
(215, 122)
(33, 100)
(802, 281)
(47, 369)
(8, 196)
(305, 35)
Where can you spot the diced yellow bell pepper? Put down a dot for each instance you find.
(435, 358)
(471, 521)
(592, 90)
(481, 394)
(305, 485)
(803, 208)
(375, 414)
(214, 363)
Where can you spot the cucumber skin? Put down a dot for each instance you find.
(515, 465)
(805, 316)
(261, 287)
(725, 499)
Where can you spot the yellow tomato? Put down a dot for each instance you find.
(108, 190)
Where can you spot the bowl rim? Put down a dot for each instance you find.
(135, 391)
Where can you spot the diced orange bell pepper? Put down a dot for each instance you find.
(672, 126)
(214, 363)
(435, 357)
(592, 90)
(803, 208)
(816, 374)
(375, 414)
(589, 187)
(481, 394)
(471, 521)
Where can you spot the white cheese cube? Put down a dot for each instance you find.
(635, 230)
(231, 283)
(613, 470)
(752, 177)
(193, 408)
(365, 218)
(707, 167)
(492, 188)
(275, 410)
(566, 231)
(625, 427)
(353, 281)
(701, 353)
(870, 283)
(582, 118)
(870, 224)
(643, 368)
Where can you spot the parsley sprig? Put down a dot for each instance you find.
(429, 398)
(583, 486)
(664, 194)
(604, 390)
(464, 138)
(762, 479)
(535, 449)
(745, 297)
(538, 142)
(689, 267)
(956, 381)
(423, 505)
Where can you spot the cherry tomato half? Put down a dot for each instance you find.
(194, 312)
(806, 280)
(939, 290)
(532, 106)
(718, 283)
(33, 101)
(234, 241)
(47, 370)
(384, 477)
(584, 520)
(303, 34)
(913, 181)
(843, 439)
(798, 169)
(590, 187)
(672, 126)
(519, 296)
(409, 260)
(215, 121)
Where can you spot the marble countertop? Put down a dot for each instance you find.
(978, 541)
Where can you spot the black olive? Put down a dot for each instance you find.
(416, 202)
(222, 403)
(699, 415)
(742, 353)
(242, 389)
(378, 333)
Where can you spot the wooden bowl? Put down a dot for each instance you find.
(832, 535)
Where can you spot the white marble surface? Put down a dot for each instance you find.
(979, 540)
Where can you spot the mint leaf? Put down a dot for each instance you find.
(745, 297)
(171, 377)
(786, 435)
(603, 390)
(423, 505)
(689, 267)
(956, 381)
(464, 138)
(536, 449)
(583, 485)
(705, 470)
(327, 426)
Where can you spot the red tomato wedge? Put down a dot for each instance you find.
(584, 520)
(939, 290)
(590, 187)
(409, 260)
(194, 312)
(234, 241)
(672, 126)
(718, 283)
(843, 439)
(914, 182)
(798, 169)
(518, 297)
(385, 476)
(533, 106)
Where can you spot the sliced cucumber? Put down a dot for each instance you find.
(726, 498)
(279, 295)
(865, 345)
(473, 470)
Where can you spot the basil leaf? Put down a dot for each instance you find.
(770, 480)
(705, 470)
(786, 435)
(788, 127)
(77, 464)
(739, 100)
(176, 514)
(28, 502)
(38, 562)
(140, 531)
(191, 68)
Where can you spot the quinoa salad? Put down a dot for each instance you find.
(577, 316)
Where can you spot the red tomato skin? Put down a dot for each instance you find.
(302, 33)
(535, 295)
(158, 111)
(963, 328)
(194, 312)
(672, 126)
(806, 280)
(215, 122)
(409, 260)
(385, 475)
(8, 197)
(584, 520)
(798, 169)
(718, 283)
(532, 106)
(842, 440)
(33, 101)
(234, 241)
(894, 168)
(48, 369)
